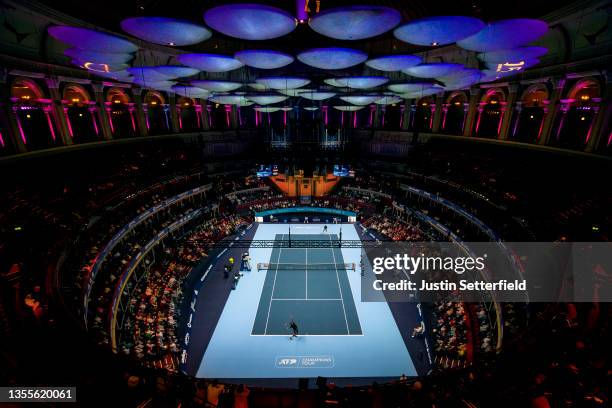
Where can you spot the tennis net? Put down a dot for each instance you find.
(303, 267)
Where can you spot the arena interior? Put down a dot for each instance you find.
(191, 191)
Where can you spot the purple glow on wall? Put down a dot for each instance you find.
(439, 30)
(505, 34)
(165, 30)
(93, 40)
(355, 22)
(250, 21)
(332, 58)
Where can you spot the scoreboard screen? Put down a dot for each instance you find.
(264, 170)
(342, 170)
(267, 170)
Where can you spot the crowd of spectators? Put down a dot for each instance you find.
(450, 331)
(150, 328)
(395, 229)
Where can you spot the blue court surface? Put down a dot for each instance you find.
(309, 286)
(340, 336)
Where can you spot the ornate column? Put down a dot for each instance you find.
(209, 116)
(544, 117)
(11, 135)
(167, 118)
(406, 116)
(565, 105)
(466, 108)
(59, 113)
(132, 110)
(480, 109)
(203, 112)
(413, 110)
(436, 113)
(141, 113)
(101, 110)
(173, 111)
(507, 112)
(228, 120)
(518, 108)
(374, 121)
(93, 112)
(234, 117)
(473, 106)
(19, 133)
(48, 111)
(503, 108)
(601, 136)
(553, 109)
(444, 114)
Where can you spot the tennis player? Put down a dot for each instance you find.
(294, 329)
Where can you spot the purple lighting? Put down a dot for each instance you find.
(267, 99)
(283, 82)
(410, 87)
(394, 62)
(345, 108)
(505, 34)
(440, 30)
(216, 86)
(332, 58)
(98, 57)
(264, 59)
(433, 70)
(147, 74)
(165, 30)
(355, 22)
(514, 54)
(362, 82)
(85, 38)
(173, 71)
(317, 96)
(250, 21)
(360, 99)
(189, 91)
(210, 62)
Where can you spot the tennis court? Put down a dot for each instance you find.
(309, 286)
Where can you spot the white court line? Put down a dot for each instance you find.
(307, 335)
(340, 289)
(306, 270)
(273, 285)
(302, 299)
